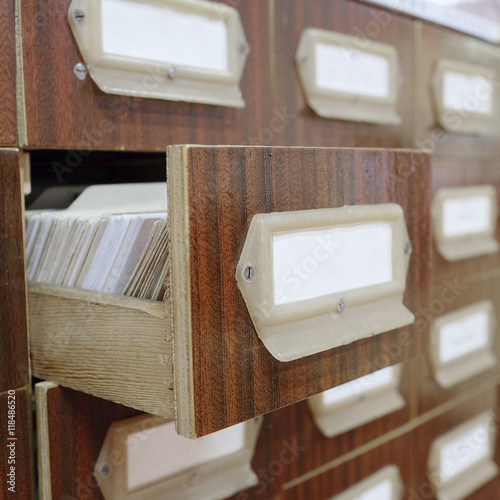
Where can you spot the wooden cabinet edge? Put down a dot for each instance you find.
(114, 347)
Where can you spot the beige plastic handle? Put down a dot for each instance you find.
(300, 328)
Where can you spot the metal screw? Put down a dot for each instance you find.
(105, 470)
(248, 273)
(408, 248)
(80, 71)
(172, 73)
(244, 48)
(79, 15)
(193, 479)
(303, 60)
(341, 306)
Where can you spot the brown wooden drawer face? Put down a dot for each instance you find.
(65, 112)
(430, 393)
(14, 359)
(223, 374)
(434, 44)
(8, 110)
(449, 173)
(366, 23)
(477, 402)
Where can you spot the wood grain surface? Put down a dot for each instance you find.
(434, 43)
(449, 173)
(364, 22)
(234, 376)
(83, 117)
(75, 426)
(14, 362)
(8, 108)
(24, 461)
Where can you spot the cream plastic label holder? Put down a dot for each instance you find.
(386, 484)
(464, 221)
(143, 458)
(462, 343)
(465, 100)
(342, 80)
(358, 402)
(313, 280)
(180, 50)
(462, 460)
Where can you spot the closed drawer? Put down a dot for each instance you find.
(449, 174)
(82, 117)
(467, 447)
(459, 360)
(435, 44)
(134, 352)
(365, 24)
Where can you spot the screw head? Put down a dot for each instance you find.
(408, 248)
(80, 71)
(172, 73)
(105, 470)
(193, 479)
(248, 274)
(341, 306)
(79, 15)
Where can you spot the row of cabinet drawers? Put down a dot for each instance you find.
(57, 110)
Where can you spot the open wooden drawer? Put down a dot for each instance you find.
(197, 357)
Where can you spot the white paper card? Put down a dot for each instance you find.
(471, 93)
(463, 452)
(362, 385)
(319, 262)
(156, 33)
(447, 14)
(462, 216)
(160, 452)
(463, 336)
(382, 491)
(351, 71)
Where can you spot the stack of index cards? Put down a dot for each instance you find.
(113, 238)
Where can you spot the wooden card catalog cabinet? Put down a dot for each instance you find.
(465, 100)
(386, 484)
(181, 50)
(462, 343)
(461, 461)
(282, 270)
(357, 402)
(144, 457)
(464, 221)
(198, 357)
(345, 81)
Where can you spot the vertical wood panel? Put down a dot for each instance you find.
(24, 487)
(14, 363)
(76, 425)
(8, 107)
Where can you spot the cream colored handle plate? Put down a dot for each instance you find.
(316, 279)
(180, 50)
(144, 458)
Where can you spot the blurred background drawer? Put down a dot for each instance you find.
(365, 23)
